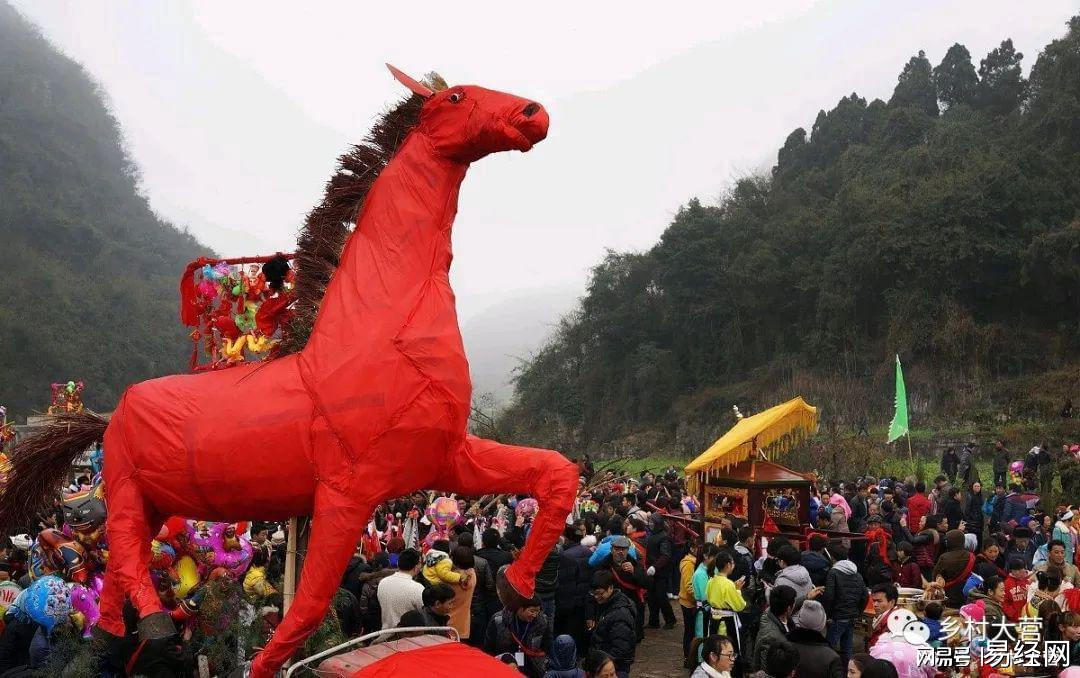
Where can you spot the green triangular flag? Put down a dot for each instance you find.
(899, 425)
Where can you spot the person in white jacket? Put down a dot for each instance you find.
(794, 574)
(718, 658)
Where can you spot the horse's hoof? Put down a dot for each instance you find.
(101, 641)
(509, 595)
(156, 625)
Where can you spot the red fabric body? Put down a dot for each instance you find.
(450, 660)
(374, 407)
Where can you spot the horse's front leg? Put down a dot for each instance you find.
(484, 466)
(337, 523)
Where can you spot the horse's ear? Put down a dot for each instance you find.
(416, 87)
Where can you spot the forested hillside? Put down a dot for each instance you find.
(88, 273)
(941, 225)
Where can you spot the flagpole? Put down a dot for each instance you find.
(911, 456)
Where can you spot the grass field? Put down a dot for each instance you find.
(899, 467)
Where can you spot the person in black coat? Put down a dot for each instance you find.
(612, 622)
(350, 579)
(629, 577)
(860, 508)
(816, 658)
(659, 549)
(815, 561)
(496, 558)
(15, 643)
(347, 608)
(973, 514)
(953, 510)
(844, 600)
(547, 581)
(949, 462)
(485, 596)
(491, 550)
(572, 591)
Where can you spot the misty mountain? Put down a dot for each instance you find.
(941, 224)
(503, 335)
(90, 273)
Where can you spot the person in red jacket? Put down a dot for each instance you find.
(1016, 589)
(908, 574)
(918, 505)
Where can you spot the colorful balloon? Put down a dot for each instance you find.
(9, 591)
(526, 508)
(443, 513)
(187, 576)
(47, 601)
(217, 545)
(85, 601)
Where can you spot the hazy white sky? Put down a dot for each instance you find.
(235, 111)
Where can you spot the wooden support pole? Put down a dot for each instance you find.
(289, 586)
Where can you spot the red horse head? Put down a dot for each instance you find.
(466, 122)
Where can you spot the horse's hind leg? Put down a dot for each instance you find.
(485, 466)
(335, 528)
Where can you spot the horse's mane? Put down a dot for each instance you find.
(328, 225)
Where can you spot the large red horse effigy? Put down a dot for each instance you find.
(372, 404)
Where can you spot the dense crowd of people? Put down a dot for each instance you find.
(632, 556)
(805, 605)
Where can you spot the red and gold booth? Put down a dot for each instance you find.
(738, 478)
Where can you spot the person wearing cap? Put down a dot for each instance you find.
(612, 618)
(816, 658)
(1020, 545)
(1055, 557)
(628, 576)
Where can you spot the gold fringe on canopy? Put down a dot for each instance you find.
(772, 432)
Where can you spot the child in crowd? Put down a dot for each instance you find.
(932, 618)
(1016, 589)
(908, 573)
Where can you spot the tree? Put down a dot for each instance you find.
(887, 227)
(954, 77)
(915, 86)
(1054, 101)
(790, 155)
(1002, 87)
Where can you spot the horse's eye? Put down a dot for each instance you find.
(455, 97)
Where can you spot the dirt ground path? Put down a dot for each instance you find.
(660, 654)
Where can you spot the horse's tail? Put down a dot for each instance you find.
(39, 462)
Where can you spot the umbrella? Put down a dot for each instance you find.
(768, 433)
